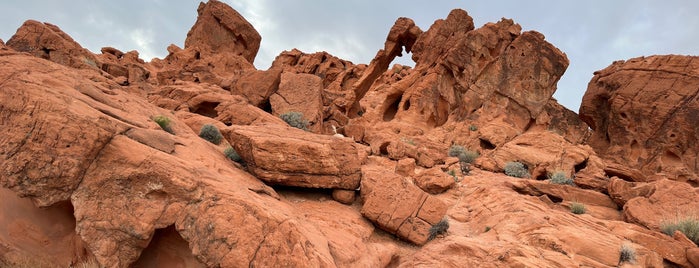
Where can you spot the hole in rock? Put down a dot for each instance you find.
(623, 115)
(634, 144)
(266, 106)
(46, 233)
(301, 193)
(383, 149)
(406, 105)
(671, 158)
(167, 249)
(486, 145)
(580, 166)
(206, 108)
(197, 55)
(555, 199)
(542, 177)
(391, 107)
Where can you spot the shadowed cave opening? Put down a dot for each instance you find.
(167, 248)
(580, 166)
(391, 106)
(206, 108)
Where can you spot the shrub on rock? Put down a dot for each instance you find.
(210, 133)
(295, 119)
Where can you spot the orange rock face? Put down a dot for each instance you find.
(101, 156)
(644, 114)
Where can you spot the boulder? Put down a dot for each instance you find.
(283, 155)
(643, 115)
(662, 201)
(47, 41)
(399, 207)
(219, 28)
(435, 181)
(300, 93)
(257, 86)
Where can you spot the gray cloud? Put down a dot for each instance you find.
(591, 33)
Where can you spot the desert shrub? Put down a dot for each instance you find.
(464, 155)
(231, 154)
(516, 169)
(627, 254)
(472, 128)
(438, 228)
(295, 119)
(559, 177)
(487, 229)
(689, 226)
(164, 123)
(210, 133)
(577, 208)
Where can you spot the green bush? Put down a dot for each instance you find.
(295, 119)
(559, 177)
(577, 208)
(210, 133)
(164, 123)
(463, 154)
(231, 154)
(627, 254)
(516, 169)
(472, 128)
(689, 226)
(438, 228)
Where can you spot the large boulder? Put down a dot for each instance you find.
(284, 155)
(658, 202)
(300, 93)
(219, 28)
(643, 112)
(47, 41)
(399, 207)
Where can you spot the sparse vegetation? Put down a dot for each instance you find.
(516, 169)
(487, 229)
(452, 173)
(463, 154)
(627, 254)
(577, 208)
(689, 226)
(231, 154)
(438, 229)
(164, 123)
(210, 133)
(472, 128)
(295, 119)
(559, 177)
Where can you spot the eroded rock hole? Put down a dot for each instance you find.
(266, 106)
(383, 149)
(580, 166)
(391, 107)
(486, 145)
(406, 105)
(167, 249)
(206, 108)
(555, 199)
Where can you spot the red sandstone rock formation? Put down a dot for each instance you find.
(87, 173)
(644, 116)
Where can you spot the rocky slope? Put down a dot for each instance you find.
(87, 173)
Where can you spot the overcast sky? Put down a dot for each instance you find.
(592, 33)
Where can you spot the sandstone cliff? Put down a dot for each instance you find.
(101, 156)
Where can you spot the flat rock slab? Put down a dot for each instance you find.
(288, 156)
